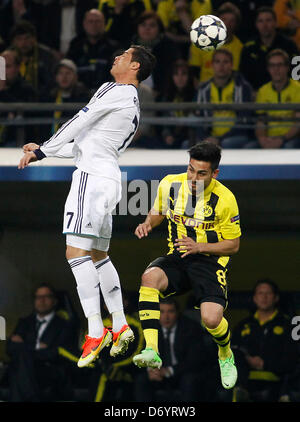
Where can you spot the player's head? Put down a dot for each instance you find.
(203, 165)
(136, 63)
(265, 294)
(278, 64)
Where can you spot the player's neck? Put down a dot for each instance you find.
(126, 81)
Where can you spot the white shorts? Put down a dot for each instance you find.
(89, 207)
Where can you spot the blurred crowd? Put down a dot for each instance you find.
(61, 51)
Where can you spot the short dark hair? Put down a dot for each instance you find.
(206, 151)
(21, 28)
(268, 281)
(265, 9)
(145, 58)
(48, 286)
(223, 51)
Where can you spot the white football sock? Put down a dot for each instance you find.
(87, 281)
(95, 326)
(111, 292)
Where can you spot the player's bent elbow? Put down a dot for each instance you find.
(235, 246)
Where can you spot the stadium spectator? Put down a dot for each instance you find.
(253, 59)
(150, 34)
(225, 87)
(179, 88)
(248, 9)
(121, 17)
(37, 61)
(201, 60)
(58, 22)
(67, 89)
(12, 11)
(264, 349)
(181, 378)
(36, 372)
(14, 89)
(93, 51)
(288, 18)
(281, 89)
(177, 17)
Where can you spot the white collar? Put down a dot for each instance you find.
(46, 318)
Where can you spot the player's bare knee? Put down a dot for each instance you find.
(154, 277)
(98, 255)
(211, 321)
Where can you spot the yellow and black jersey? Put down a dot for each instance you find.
(289, 94)
(209, 217)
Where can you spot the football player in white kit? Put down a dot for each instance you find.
(101, 131)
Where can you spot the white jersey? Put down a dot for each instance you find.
(101, 131)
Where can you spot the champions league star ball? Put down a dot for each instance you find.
(208, 32)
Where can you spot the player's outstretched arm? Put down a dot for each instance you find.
(153, 220)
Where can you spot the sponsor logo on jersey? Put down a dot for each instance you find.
(190, 222)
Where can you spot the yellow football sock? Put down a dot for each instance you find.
(149, 313)
(221, 336)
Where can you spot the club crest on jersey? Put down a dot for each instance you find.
(207, 210)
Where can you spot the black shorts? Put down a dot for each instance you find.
(200, 273)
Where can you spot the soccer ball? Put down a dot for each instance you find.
(208, 32)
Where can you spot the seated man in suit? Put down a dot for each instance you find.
(180, 379)
(33, 348)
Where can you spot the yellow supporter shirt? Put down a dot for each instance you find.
(207, 218)
(219, 96)
(203, 59)
(289, 94)
(166, 10)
